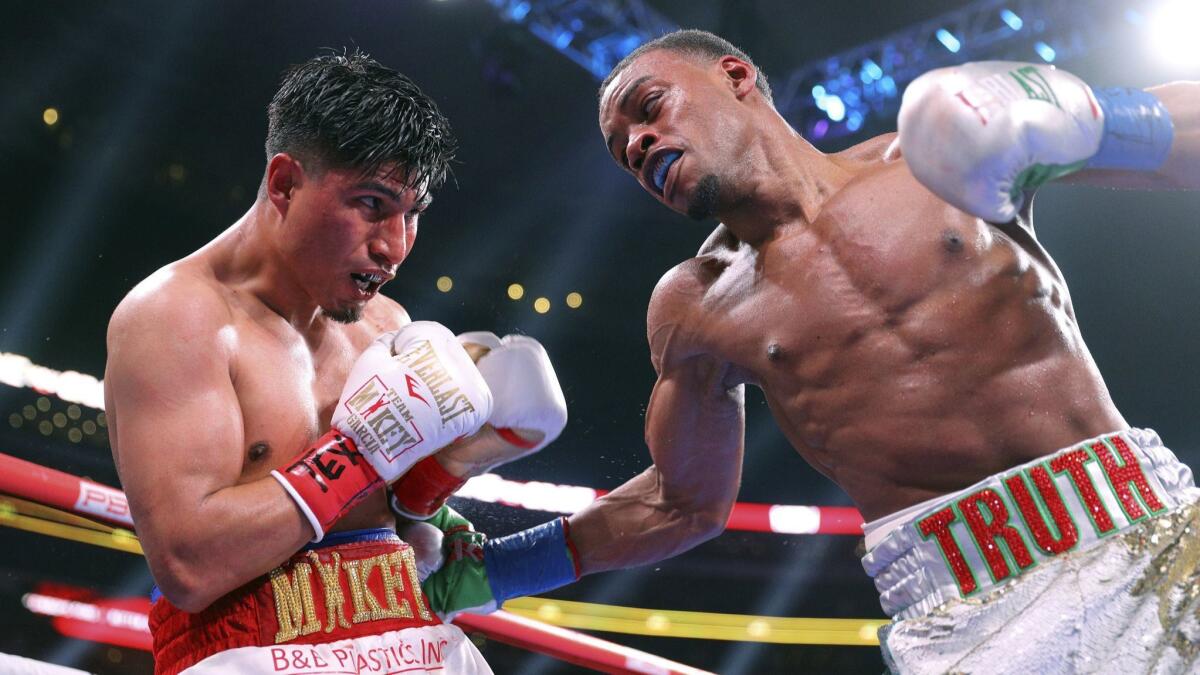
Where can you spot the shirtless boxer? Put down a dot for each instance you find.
(925, 360)
(261, 393)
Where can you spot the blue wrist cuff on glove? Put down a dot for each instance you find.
(1137, 131)
(529, 562)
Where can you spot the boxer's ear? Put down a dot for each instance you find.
(284, 175)
(740, 75)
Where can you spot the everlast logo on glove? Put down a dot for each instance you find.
(381, 420)
(425, 364)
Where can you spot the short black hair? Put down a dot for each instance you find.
(347, 111)
(696, 43)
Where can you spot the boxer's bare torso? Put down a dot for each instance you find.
(226, 365)
(906, 349)
(285, 381)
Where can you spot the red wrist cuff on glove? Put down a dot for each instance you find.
(424, 489)
(514, 438)
(328, 479)
(574, 552)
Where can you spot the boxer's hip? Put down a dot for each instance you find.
(351, 602)
(965, 544)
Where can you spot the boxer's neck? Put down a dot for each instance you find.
(255, 265)
(784, 181)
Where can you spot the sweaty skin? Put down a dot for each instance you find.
(222, 366)
(906, 349)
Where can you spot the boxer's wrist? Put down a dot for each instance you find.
(480, 574)
(421, 492)
(1138, 131)
(327, 480)
(536, 560)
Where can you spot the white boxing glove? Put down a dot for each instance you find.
(528, 412)
(411, 395)
(412, 392)
(978, 135)
(529, 409)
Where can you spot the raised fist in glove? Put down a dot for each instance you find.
(528, 412)
(978, 135)
(412, 392)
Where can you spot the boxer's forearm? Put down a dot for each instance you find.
(1182, 101)
(233, 536)
(636, 525)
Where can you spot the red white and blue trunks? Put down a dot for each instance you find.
(351, 604)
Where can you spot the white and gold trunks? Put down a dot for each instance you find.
(1086, 560)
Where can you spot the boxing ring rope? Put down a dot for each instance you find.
(75, 387)
(524, 623)
(77, 497)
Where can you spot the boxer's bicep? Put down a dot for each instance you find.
(694, 421)
(685, 496)
(694, 430)
(178, 432)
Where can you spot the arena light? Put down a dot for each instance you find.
(70, 386)
(516, 291)
(594, 34)
(1045, 51)
(871, 70)
(50, 116)
(948, 40)
(444, 284)
(876, 72)
(574, 300)
(1172, 31)
(1010, 18)
(835, 108)
(541, 305)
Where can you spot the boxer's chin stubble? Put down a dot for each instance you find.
(349, 314)
(702, 203)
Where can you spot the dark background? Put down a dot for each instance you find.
(159, 148)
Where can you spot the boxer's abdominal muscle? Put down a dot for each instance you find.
(906, 349)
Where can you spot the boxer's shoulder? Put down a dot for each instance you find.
(676, 319)
(881, 149)
(680, 291)
(176, 296)
(170, 326)
(688, 290)
(384, 314)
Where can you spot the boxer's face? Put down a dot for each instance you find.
(345, 234)
(674, 122)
